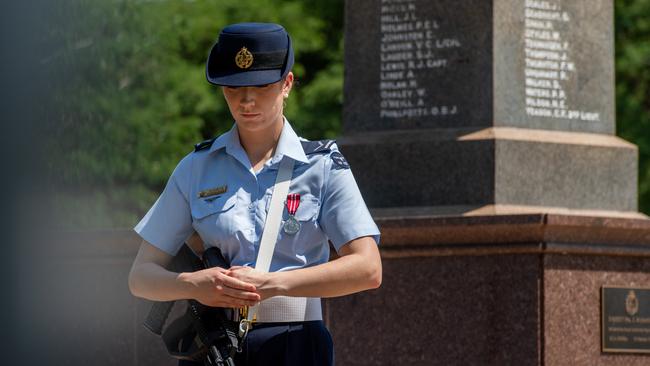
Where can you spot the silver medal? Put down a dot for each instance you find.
(291, 226)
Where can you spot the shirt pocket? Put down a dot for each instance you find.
(307, 210)
(213, 217)
(294, 249)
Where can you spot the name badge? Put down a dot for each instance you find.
(213, 191)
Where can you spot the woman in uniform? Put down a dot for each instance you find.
(223, 191)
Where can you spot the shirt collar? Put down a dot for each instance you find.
(288, 145)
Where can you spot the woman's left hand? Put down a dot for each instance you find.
(261, 280)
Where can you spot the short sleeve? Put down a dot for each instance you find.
(169, 222)
(344, 215)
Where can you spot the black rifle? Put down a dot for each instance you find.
(203, 333)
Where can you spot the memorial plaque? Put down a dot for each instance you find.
(625, 314)
(466, 63)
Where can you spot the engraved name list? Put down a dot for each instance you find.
(548, 68)
(410, 48)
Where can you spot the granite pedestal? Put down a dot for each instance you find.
(481, 134)
(492, 290)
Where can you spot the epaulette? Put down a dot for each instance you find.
(204, 145)
(314, 147)
(325, 146)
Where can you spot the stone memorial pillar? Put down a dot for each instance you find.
(482, 137)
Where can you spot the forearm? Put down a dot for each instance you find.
(336, 278)
(153, 282)
(358, 269)
(212, 286)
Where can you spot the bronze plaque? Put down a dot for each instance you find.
(625, 319)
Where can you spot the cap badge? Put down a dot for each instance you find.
(244, 58)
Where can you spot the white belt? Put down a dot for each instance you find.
(282, 309)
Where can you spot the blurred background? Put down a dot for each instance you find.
(101, 99)
(130, 97)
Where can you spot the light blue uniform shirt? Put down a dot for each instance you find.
(331, 206)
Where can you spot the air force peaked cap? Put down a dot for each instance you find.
(249, 54)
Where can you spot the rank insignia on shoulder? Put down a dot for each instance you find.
(314, 147)
(339, 160)
(204, 145)
(213, 191)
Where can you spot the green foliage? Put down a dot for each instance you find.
(130, 99)
(633, 84)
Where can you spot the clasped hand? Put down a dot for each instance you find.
(230, 288)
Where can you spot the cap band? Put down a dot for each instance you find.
(261, 61)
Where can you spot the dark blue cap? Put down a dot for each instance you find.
(249, 54)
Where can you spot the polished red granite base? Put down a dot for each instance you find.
(572, 306)
(492, 290)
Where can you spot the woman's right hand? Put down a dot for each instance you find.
(214, 287)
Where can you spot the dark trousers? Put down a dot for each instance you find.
(285, 344)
